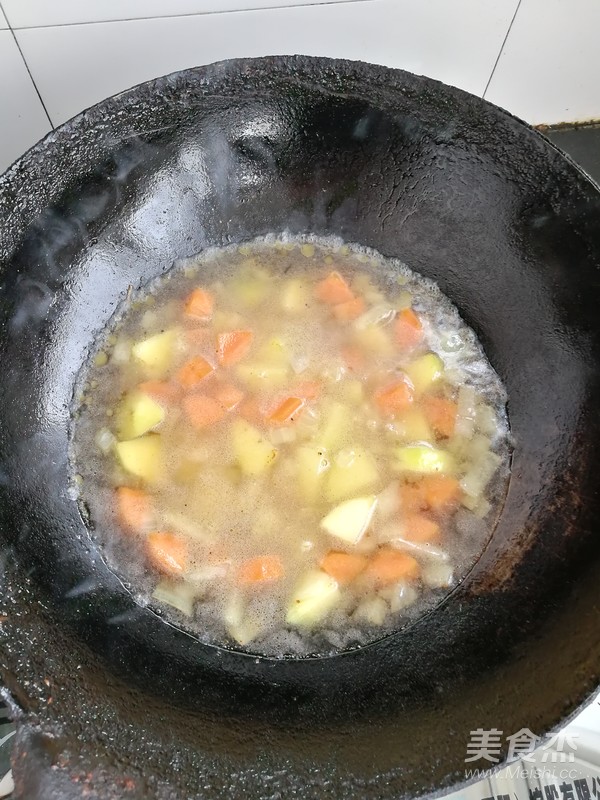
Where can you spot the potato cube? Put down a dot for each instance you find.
(424, 459)
(375, 339)
(425, 371)
(313, 598)
(156, 351)
(295, 296)
(337, 423)
(311, 465)
(353, 470)
(350, 520)
(141, 456)
(137, 414)
(413, 427)
(254, 453)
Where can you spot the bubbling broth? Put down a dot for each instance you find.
(294, 446)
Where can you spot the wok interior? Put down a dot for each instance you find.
(460, 192)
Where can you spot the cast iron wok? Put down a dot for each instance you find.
(114, 702)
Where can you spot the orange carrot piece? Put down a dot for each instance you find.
(394, 398)
(228, 395)
(133, 508)
(200, 304)
(167, 552)
(351, 309)
(441, 414)
(419, 528)
(441, 491)
(353, 358)
(408, 329)
(412, 497)
(286, 412)
(164, 392)
(193, 371)
(262, 569)
(232, 346)
(343, 567)
(389, 565)
(333, 290)
(203, 411)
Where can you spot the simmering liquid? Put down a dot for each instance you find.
(291, 447)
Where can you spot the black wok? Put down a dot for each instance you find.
(114, 702)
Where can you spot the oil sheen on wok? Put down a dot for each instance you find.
(293, 446)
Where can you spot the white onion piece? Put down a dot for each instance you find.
(150, 319)
(477, 478)
(465, 412)
(308, 423)
(210, 572)
(388, 502)
(437, 576)
(373, 610)
(482, 509)
(485, 417)
(179, 595)
(399, 596)
(299, 363)
(452, 342)
(420, 549)
(283, 435)
(374, 297)
(121, 352)
(105, 440)
(381, 314)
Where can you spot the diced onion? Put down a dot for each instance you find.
(437, 575)
(485, 417)
(121, 352)
(452, 343)
(477, 478)
(400, 596)
(465, 413)
(403, 301)
(373, 610)
(209, 572)
(380, 314)
(299, 363)
(283, 435)
(420, 549)
(308, 424)
(239, 627)
(482, 509)
(345, 458)
(388, 502)
(150, 319)
(105, 440)
(180, 595)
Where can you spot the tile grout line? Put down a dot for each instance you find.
(37, 91)
(189, 14)
(487, 86)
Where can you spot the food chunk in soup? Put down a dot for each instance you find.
(291, 446)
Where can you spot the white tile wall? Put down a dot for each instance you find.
(455, 42)
(23, 118)
(33, 13)
(80, 51)
(549, 70)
